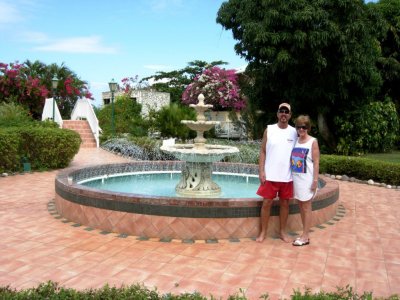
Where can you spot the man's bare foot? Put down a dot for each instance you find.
(284, 237)
(260, 238)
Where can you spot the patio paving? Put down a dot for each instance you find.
(361, 249)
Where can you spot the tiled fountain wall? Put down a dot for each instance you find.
(177, 217)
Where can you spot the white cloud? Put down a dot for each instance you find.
(91, 44)
(34, 37)
(152, 81)
(157, 67)
(241, 69)
(98, 85)
(162, 5)
(9, 13)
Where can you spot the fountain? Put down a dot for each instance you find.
(200, 211)
(196, 177)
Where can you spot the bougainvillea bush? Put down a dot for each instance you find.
(29, 84)
(219, 87)
(21, 89)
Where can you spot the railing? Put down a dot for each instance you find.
(83, 109)
(48, 112)
(227, 129)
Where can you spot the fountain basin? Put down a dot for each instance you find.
(177, 217)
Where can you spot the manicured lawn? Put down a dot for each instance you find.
(393, 157)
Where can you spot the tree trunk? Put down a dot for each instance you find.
(326, 134)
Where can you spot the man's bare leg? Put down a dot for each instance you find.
(283, 217)
(265, 213)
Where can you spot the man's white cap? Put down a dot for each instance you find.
(287, 105)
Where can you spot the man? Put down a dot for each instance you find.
(274, 170)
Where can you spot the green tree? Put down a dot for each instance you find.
(168, 121)
(175, 82)
(127, 117)
(318, 54)
(12, 114)
(373, 127)
(69, 89)
(29, 84)
(389, 63)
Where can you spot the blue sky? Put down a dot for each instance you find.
(100, 40)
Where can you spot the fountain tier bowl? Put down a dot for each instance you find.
(200, 125)
(181, 218)
(204, 154)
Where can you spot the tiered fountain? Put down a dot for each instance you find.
(200, 211)
(196, 178)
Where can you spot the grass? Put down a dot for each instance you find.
(393, 157)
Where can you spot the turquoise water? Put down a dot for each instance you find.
(163, 184)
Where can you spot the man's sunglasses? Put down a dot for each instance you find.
(284, 111)
(304, 127)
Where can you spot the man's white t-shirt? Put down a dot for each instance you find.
(280, 143)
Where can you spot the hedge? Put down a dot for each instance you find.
(10, 142)
(43, 147)
(361, 168)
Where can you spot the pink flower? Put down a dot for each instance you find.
(219, 87)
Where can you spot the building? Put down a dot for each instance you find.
(148, 98)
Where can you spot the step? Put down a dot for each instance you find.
(87, 135)
(82, 127)
(78, 126)
(89, 145)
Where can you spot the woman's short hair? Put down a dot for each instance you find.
(303, 120)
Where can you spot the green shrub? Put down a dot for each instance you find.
(46, 124)
(339, 294)
(361, 168)
(127, 118)
(10, 142)
(138, 148)
(49, 148)
(374, 127)
(249, 152)
(51, 290)
(12, 115)
(168, 121)
(144, 148)
(151, 147)
(43, 144)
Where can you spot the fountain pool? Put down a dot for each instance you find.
(176, 217)
(232, 185)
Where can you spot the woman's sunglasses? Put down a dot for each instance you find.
(304, 127)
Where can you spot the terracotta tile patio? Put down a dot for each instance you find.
(361, 249)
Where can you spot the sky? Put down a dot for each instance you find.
(102, 40)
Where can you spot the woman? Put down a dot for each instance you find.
(305, 170)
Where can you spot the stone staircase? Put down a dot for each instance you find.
(83, 128)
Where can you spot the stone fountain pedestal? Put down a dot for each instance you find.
(196, 178)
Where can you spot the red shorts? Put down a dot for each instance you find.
(271, 189)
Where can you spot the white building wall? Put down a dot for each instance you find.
(147, 98)
(151, 99)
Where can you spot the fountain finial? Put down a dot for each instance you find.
(201, 99)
